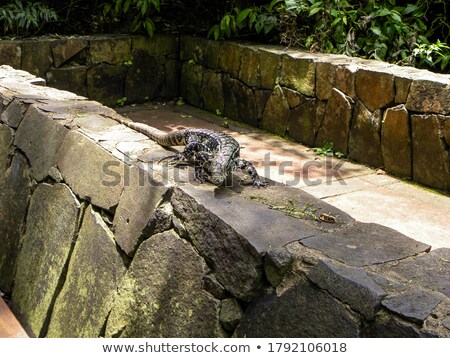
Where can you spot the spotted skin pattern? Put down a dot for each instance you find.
(215, 154)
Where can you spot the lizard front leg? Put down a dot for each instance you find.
(245, 164)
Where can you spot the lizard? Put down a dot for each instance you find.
(215, 154)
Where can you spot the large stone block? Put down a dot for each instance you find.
(396, 142)
(159, 45)
(212, 91)
(345, 79)
(191, 83)
(42, 154)
(171, 87)
(145, 77)
(431, 163)
(6, 140)
(230, 58)
(64, 50)
(249, 70)
(11, 52)
(52, 224)
(13, 113)
(302, 122)
(299, 310)
(99, 177)
(136, 209)
(212, 53)
(335, 125)
(364, 143)
(269, 69)
(193, 49)
(276, 114)
(14, 196)
(430, 271)
(37, 56)
(387, 325)
(111, 50)
(375, 88)
(93, 276)
(326, 80)
(429, 96)
(72, 78)
(349, 285)
(105, 83)
(415, 305)
(245, 102)
(402, 86)
(162, 294)
(230, 109)
(366, 244)
(299, 73)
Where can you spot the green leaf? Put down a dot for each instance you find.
(375, 30)
(314, 11)
(409, 9)
(243, 15)
(126, 6)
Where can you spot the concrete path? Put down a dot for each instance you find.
(364, 193)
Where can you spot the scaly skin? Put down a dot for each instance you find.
(215, 154)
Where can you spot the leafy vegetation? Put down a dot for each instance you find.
(406, 32)
(18, 17)
(327, 150)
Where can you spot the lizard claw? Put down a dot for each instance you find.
(258, 183)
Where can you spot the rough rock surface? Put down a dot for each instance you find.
(162, 296)
(93, 276)
(51, 228)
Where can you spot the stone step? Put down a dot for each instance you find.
(9, 325)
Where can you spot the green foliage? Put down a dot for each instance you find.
(399, 32)
(140, 11)
(258, 19)
(19, 18)
(121, 101)
(387, 30)
(327, 150)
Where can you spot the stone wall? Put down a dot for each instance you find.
(378, 114)
(103, 68)
(97, 240)
(375, 113)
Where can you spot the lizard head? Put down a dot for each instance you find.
(217, 173)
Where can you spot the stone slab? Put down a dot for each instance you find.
(11, 53)
(429, 95)
(413, 305)
(299, 73)
(111, 50)
(276, 114)
(349, 285)
(14, 196)
(6, 140)
(237, 264)
(42, 154)
(137, 204)
(365, 244)
(430, 271)
(51, 227)
(99, 177)
(13, 113)
(162, 295)
(68, 78)
(301, 310)
(94, 273)
(65, 49)
(375, 88)
(336, 122)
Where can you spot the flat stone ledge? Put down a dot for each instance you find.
(366, 244)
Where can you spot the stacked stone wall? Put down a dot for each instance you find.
(375, 113)
(97, 240)
(108, 68)
(383, 115)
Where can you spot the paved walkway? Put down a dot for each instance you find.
(9, 326)
(364, 193)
